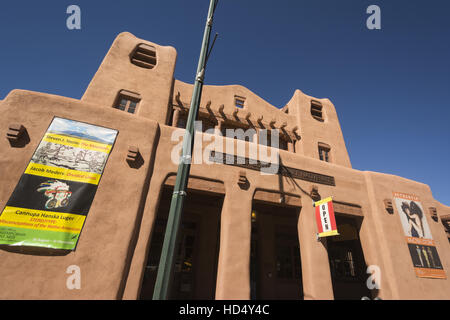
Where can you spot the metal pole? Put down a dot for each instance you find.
(176, 206)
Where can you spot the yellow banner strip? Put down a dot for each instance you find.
(77, 142)
(62, 173)
(318, 203)
(41, 220)
(329, 233)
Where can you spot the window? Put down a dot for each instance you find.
(324, 152)
(239, 102)
(284, 142)
(240, 133)
(265, 138)
(287, 251)
(446, 222)
(207, 124)
(182, 120)
(316, 110)
(127, 101)
(144, 56)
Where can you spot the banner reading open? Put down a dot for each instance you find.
(326, 222)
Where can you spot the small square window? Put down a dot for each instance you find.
(324, 152)
(144, 56)
(127, 101)
(239, 102)
(316, 110)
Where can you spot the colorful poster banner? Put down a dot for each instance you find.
(422, 248)
(51, 201)
(326, 222)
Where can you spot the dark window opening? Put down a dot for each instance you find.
(207, 124)
(182, 120)
(239, 102)
(316, 110)
(275, 264)
(239, 133)
(197, 249)
(265, 138)
(347, 263)
(287, 253)
(144, 56)
(324, 153)
(446, 223)
(283, 144)
(127, 101)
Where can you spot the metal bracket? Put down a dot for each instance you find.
(186, 159)
(201, 75)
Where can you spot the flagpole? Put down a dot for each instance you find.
(179, 193)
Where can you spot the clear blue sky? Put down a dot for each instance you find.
(390, 86)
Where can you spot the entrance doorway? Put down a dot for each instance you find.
(275, 267)
(347, 264)
(195, 262)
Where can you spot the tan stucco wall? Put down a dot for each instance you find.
(381, 245)
(314, 132)
(117, 73)
(391, 240)
(114, 244)
(107, 238)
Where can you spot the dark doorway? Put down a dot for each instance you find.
(347, 264)
(197, 250)
(275, 267)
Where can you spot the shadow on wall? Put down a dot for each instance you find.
(35, 251)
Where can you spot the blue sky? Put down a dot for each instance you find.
(390, 86)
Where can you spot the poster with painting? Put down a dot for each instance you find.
(419, 239)
(51, 201)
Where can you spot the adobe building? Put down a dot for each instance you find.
(244, 234)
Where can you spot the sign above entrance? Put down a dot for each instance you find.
(243, 162)
(326, 222)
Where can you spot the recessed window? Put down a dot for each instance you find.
(239, 133)
(207, 124)
(127, 101)
(324, 152)
(283, 144)
(182, 120)
(144, 56)
(316, 110)
(239, 102)
(446, 222)
(265, 138)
